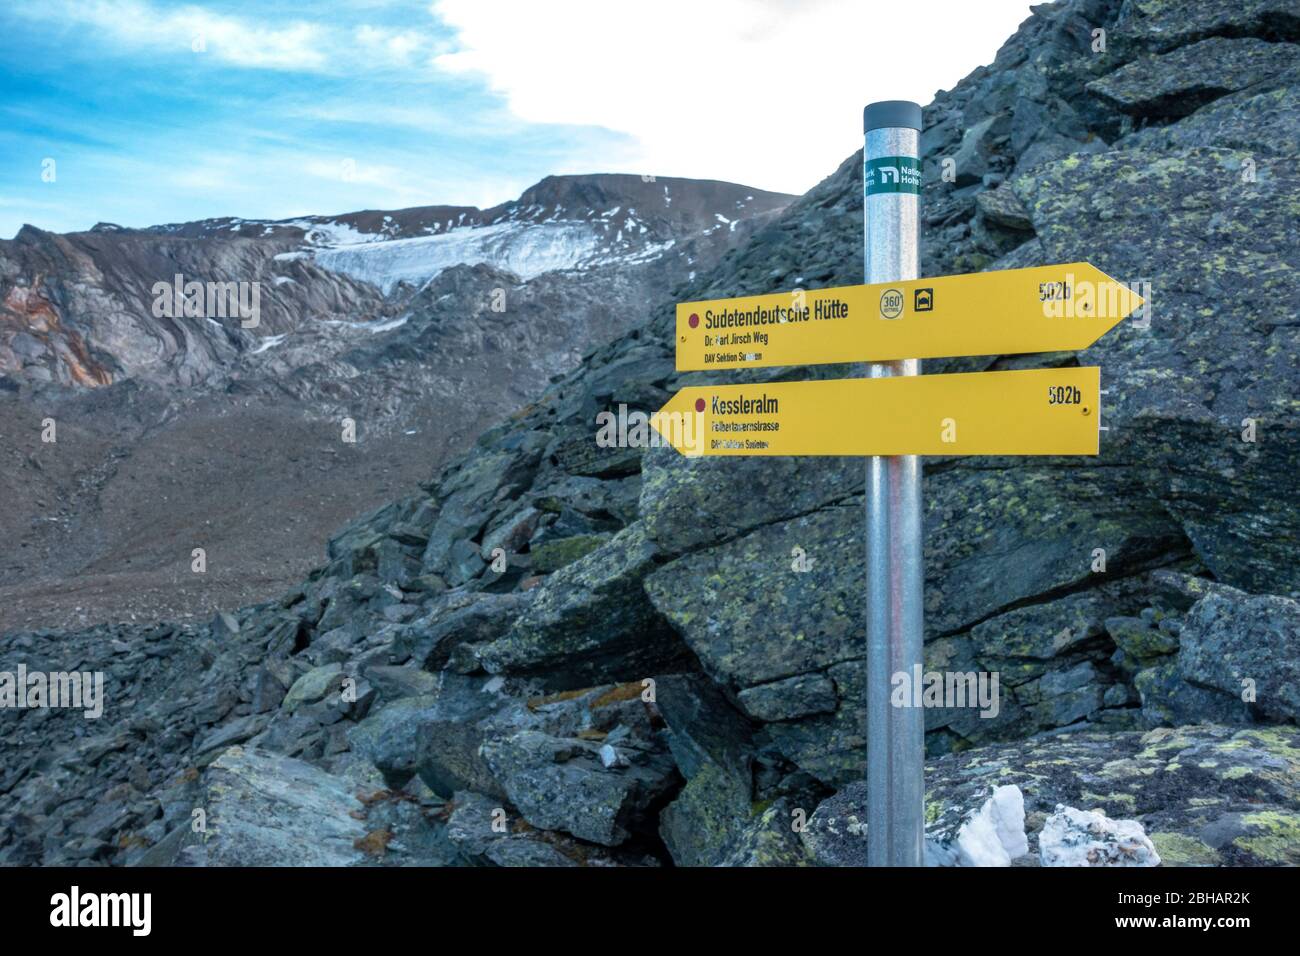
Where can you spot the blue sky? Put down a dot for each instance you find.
(153, 111)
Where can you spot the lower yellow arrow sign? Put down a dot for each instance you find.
(1032, 412)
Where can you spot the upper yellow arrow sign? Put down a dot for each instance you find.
(1050, 411)
(1043, 309)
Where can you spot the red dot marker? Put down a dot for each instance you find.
(699, 404)
(694, 320)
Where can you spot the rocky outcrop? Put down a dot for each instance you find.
(1246, 647)
(633, 657)
(262, 809)
(1203, 795)
(1178, 83)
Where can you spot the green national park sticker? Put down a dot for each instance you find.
(892, 174)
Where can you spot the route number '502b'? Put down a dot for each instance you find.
(1063, 395)
(1053, 291)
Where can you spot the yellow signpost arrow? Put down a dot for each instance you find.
(1043, 309)
(1030, 412)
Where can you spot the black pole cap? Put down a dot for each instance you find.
(891, 114)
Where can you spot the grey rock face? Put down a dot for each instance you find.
(590, 621)
(771, 622)
(460, 618)
(267, 810)
(314, 685)
(562, 784)
(437, 737)
(1178, 83)
(1170, 701)
(769, 840)
(1255, 120)
(1245, 647)
(486, 834)
(394, 683)
(1001, 208)
(787, 699)
(683, 507)
(1159, 25)
(1199, 457)
(392, 739)
(713, 748)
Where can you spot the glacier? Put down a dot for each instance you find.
(526, 249)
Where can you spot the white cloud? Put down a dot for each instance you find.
(298, 45)
(399, 46)
(135, 23)
(763, 92)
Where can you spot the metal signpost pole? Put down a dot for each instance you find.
(895, 575)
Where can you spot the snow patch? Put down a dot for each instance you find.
(526, 249)
(333, 233)
(376, 327)
(372, 327)
(270, 342)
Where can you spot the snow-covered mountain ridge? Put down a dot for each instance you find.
(563, 223)
(78, 309)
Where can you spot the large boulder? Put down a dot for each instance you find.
(1257, 120)
(263, 809)
(590, 763)
(1166, 24)
(1247, 647)
(1170, 701)
(440, 736)
(597, 792)
(488, 834)
(590, 621)
(458, 618)
(750, 618)
(689, 502)
(713, 747)
(769, 839)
